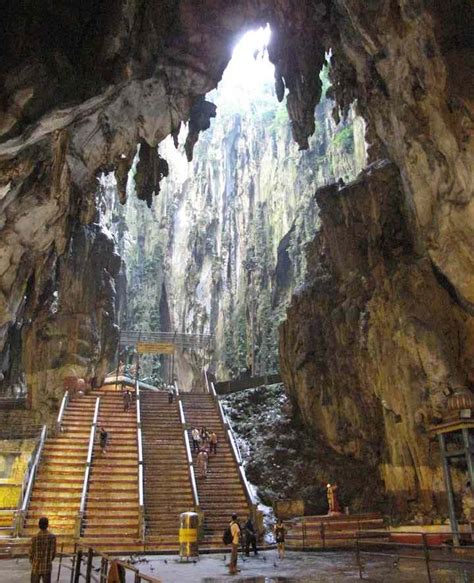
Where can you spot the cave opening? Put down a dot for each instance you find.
(221, 249)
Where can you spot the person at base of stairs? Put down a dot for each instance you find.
(235, 531)
(250, 537)
(42, 553)
(213, 443)
(280, 532)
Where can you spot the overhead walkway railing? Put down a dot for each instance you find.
(210, 388)
(114, 379)
(141, 480)
(85, 485)
(132, 337)
(192, 473)
(29, 482)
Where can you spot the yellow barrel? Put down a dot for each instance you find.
(188, 534)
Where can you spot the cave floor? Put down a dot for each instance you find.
(297, 567)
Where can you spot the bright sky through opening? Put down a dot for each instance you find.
(249, 69)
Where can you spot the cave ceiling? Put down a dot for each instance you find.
(82, 83)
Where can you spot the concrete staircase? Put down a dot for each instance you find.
(58, 485)
(168, 490)
(221, 493)
(111, 521)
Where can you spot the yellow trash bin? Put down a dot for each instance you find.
(188, 534)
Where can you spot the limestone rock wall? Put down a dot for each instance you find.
(375, 341)
(222, 249)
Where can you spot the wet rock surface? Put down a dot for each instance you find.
(286, 460)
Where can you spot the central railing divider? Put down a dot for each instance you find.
(85, 485)
(141, 481)
(192, 474)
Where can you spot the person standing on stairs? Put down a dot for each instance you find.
(213, 442)
(196, 436)
(42, 553)
(235, 532)
(202, 459)
(170, 393)
(103, 440)
(126, 400)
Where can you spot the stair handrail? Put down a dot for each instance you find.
(233, 445)
(176, 388)
(209, 385)
(26, 493)
(64, 404)
(206, 380)
(87, 472)
(191, 470)
(189, 455)
(141, 481)
(181, 414)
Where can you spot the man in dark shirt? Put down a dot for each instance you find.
(42, 553)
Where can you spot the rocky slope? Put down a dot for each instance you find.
(284, 458)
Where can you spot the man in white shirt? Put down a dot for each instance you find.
(196, 436)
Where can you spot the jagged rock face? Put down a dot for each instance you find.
(76, 334)
(374, 342)
(409, 70)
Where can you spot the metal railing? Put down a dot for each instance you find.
(192, 474)
(29, 478)
(87, 472)
(372, 543)
(141, 480)
(100, 573)
(130, 337)
(64, 404)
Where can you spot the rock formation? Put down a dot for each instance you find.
(376, 340)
